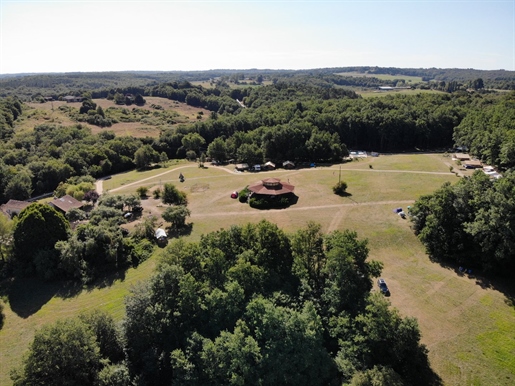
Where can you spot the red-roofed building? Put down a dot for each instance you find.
(271, 187)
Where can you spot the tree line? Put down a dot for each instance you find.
(470, 223)
(249, 305)
(37, 86)
(282, 122)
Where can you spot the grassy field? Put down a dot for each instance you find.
(465, 322)
(368, 93)
(406, 78)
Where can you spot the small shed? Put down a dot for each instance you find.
(269, 166)
(72, 99)
(461, 156)
(473, 164)
(288, 165)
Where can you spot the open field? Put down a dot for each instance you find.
(466, 323)
(376, 93)
(406, 78)
(150, 125)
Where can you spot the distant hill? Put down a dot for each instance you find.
(32, 86)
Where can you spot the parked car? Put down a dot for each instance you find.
(234, 194)
(383, 287)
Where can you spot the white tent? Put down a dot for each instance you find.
(160, 234)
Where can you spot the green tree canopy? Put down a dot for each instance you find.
(65, 353)
(38, 229)
(144, 156)
(176, 216)
(172, 195)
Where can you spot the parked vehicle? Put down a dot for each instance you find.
(383, 287)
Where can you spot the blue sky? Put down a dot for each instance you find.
(73, 35)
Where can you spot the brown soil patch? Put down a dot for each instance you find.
(199, 188)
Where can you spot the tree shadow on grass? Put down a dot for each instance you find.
(178, 232)
(28, 295)
(485, 280)
(427, 376)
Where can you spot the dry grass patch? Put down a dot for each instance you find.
(49, 112)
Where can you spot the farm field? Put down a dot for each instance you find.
(465, 322)
(406, 78)
(367, 93)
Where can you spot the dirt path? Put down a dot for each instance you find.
(149, 178)
(315, 207)
(99, 183)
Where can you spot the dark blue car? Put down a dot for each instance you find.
(383, 287)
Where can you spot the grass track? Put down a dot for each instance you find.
(468, 328)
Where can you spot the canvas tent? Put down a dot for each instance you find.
(160, 234)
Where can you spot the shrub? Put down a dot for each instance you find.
(142, 191)
(191, 155)
(243, 195)
(340, 188)
(139, 250)
(278, 202)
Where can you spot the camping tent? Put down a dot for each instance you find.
(160, 234)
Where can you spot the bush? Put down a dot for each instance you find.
(191, 155)
(243, 195)
(139, 250)
(277, 202)
(340, 188)
(142, 191)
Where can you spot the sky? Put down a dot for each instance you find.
(170, 35)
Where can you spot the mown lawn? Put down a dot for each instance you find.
(466, 323)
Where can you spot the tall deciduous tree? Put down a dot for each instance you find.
(193, 141)
(176, 216)
(217, 150)
(144, 156)
(19, 186)
(35, 234)
(65, 353)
